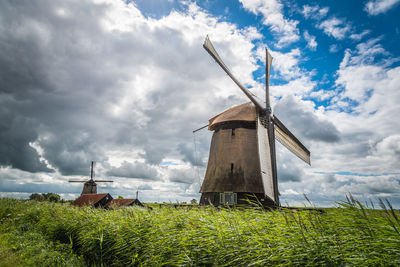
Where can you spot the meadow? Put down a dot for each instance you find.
(53, 234)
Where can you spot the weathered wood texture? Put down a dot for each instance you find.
(243, 199)
(89, 187)
(233, 164)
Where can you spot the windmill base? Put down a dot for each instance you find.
(236, 198)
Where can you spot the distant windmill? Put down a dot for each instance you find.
(90, 186)
(242, 160)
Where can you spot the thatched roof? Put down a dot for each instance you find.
(245, 112)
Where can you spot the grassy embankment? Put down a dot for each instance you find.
(42, 233)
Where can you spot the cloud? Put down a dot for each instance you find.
(289, 172)
(311, 43)
(298, 87)
(333, 48)
(300, 118)
(272, 12)
(182, 175)
(145, 187)
(284, 65)
(82, 88)
(379, 6)
(337, 28)
(190, 155)
(314, 12)
(358, 74)
(359, 36)
(136, 170)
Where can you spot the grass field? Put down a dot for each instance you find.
(50, 234)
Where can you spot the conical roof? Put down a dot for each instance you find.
(245, 112)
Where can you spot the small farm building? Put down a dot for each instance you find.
(94, 200)
(116, 203)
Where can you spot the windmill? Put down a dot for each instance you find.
(242, 159)
(90, 186)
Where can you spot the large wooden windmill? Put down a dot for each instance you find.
(242, 160)
(90, 186)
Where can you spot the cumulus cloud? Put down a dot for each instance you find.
(315, 12)
(298, 116)
(359, 36)
(182, 175)
(138, 170)
(311, 43)
(333, 48)
(379, 6)
(335, 27)
(360, 64)
(272, 12)
(113, 86)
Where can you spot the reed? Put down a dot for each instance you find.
(350, 234)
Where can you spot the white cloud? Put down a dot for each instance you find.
(333, 48)
(359, 36)
(311, 43)
(357, 73)
(335, 27)
(272, 12)
(300, 87)
(314, 12)
(379, 6)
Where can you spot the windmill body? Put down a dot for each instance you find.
(242, 161)
(90, 186)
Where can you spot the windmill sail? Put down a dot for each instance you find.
(267, 74)
(208, 46)
(265, 159)
(286, 138)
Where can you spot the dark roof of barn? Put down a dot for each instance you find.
(89, 199)
(245, 112)
(123, 202)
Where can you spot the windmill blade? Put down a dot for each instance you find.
(208, 46)
(264, 152)
(76, 181)
(268, 63)
(104, 181)
(286, 138)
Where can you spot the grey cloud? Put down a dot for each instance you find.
(60, 76)
(329, 178)
(306, 123)
(145, 187)
(15, 134)
(29, 187)
(289, 173)
(190, 155)
(184, 176)
(137, 170)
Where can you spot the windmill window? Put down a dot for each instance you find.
(231, 167)
(228, 198)
(233, 131)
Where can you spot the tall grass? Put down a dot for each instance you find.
(351, 234)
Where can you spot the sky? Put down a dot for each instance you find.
(124, 83)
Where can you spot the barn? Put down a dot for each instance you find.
(94, 200)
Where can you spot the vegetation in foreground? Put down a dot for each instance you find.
(43, 233)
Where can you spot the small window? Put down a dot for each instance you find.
(233, 131)
(231, 167)
(228, 198)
